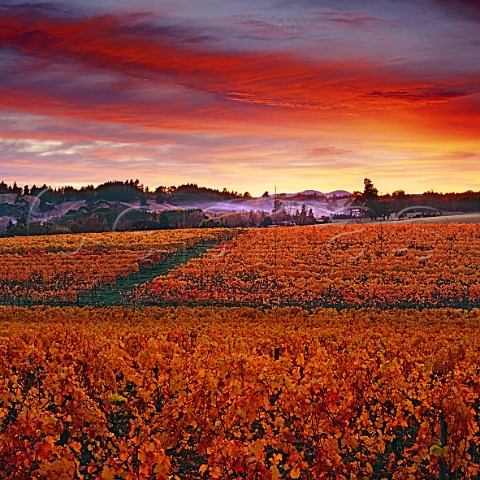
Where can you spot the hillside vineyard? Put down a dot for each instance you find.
(336, 266)
(58, 268)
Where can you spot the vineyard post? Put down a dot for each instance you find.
(443, 444)
(381, 238)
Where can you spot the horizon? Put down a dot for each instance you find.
(242, 95)
(152, 189)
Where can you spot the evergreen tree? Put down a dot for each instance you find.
(311, 220)
(303, 215)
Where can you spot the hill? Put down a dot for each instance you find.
(131, 206)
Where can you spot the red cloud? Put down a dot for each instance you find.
(213, 87)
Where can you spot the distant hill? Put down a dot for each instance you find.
(316, 193)
(310, 192)
(338, 193)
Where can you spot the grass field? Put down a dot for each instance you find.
(446, 218)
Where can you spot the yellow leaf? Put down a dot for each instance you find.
(115, 398)
(278, 422)
(216, 473)
(203, 468)
(108, 474)
(436, 450)
(275, 472)
(276, 458)
(76, 446)
(295, 472)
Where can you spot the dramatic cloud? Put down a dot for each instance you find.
(237, 95)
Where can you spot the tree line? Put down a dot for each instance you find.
(108, 206)
(127, 191)
(376, 206)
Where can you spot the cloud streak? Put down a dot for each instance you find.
(129, 46)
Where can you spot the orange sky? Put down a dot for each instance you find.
(246, 96)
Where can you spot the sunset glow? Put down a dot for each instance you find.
(247, 95)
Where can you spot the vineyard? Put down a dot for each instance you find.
(352, 266)
(337, 266)
(60, 268)
(337, 352)
(238, 393)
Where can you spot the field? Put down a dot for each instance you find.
(62, 268)
(335, 266)
(238, 393)
(333, 351)
(446, 218)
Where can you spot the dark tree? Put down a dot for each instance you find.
(303, 215)
(370, 193)
(311, 220)
(4, 188)
(369, 198)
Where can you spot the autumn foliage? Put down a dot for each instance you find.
(238, 393)
(282, 391)
(57, 268)
(335, 266)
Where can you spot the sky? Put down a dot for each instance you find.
(248, 95)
